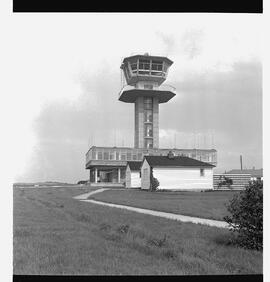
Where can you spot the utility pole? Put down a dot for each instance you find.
(241, 163)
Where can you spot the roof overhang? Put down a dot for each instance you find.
(130, 96)
(161, 58)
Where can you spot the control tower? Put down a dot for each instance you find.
(144, 75)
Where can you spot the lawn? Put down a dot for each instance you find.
(199, 204)
(56, 234)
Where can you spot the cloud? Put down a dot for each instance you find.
(191, 43)
(226, 103)
(75, 79)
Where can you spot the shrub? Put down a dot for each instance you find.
(225, 181)
(246, 219)
(154, 183)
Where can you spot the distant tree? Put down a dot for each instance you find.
(246, 216)
(82, 182)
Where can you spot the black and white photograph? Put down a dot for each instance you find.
(138, 144)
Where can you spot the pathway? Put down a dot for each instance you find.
(173, 216)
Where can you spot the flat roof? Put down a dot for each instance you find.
(153, 149)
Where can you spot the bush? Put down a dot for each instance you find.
(225, 181)
(246, 219)
(154, 183)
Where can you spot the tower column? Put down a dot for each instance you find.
(155, 122)
(139, 123)
(119, 175)
(95, 175)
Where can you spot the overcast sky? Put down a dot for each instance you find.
(66, 69)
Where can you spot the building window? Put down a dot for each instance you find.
(106, 156)
(128, 156)
(134, 157)
(157, 65)
(140, 156)
(202, 172)
(117, 156)
(148, 117)
(148, 143)
(111, 155)
(148, 130)
(123, 157)
(144, 64)
(99, 155)
(93, 155)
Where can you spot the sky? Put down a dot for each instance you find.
(66, 69)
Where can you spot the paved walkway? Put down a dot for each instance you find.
(87, 195)
(173, 216)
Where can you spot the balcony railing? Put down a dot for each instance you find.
(163, 87)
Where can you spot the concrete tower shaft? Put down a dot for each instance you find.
(144, 75)
(146, 122)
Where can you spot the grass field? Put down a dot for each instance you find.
(200, 204)
(55, 234)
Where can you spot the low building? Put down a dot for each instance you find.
(255, 174)
(133, 175)
(107, 165)
(177, 173)
(238, 181)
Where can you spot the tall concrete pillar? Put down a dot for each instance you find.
(89, 175)
(119, 175)
(155, 122)
(139, 123)
(95, 175)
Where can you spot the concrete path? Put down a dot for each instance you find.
(173, 216)
(87, 195)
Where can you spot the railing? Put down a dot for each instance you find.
(163, 87)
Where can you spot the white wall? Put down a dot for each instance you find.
(128, 177)
(145, 175)
(183, 178)
(135, 179)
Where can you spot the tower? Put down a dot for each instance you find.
(144, 76)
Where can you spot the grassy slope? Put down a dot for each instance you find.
(205, 205)
(55, 234)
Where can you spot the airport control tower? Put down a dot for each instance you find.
(144, 75)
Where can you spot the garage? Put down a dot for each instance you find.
(177, 173)
(133, 179)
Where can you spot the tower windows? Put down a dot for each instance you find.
(148, 143)
(148, 130)
(157, 65)
(144, 64)
(148, 117)
(148, 127)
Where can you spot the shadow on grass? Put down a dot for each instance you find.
(228, 239)
(138, 240)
